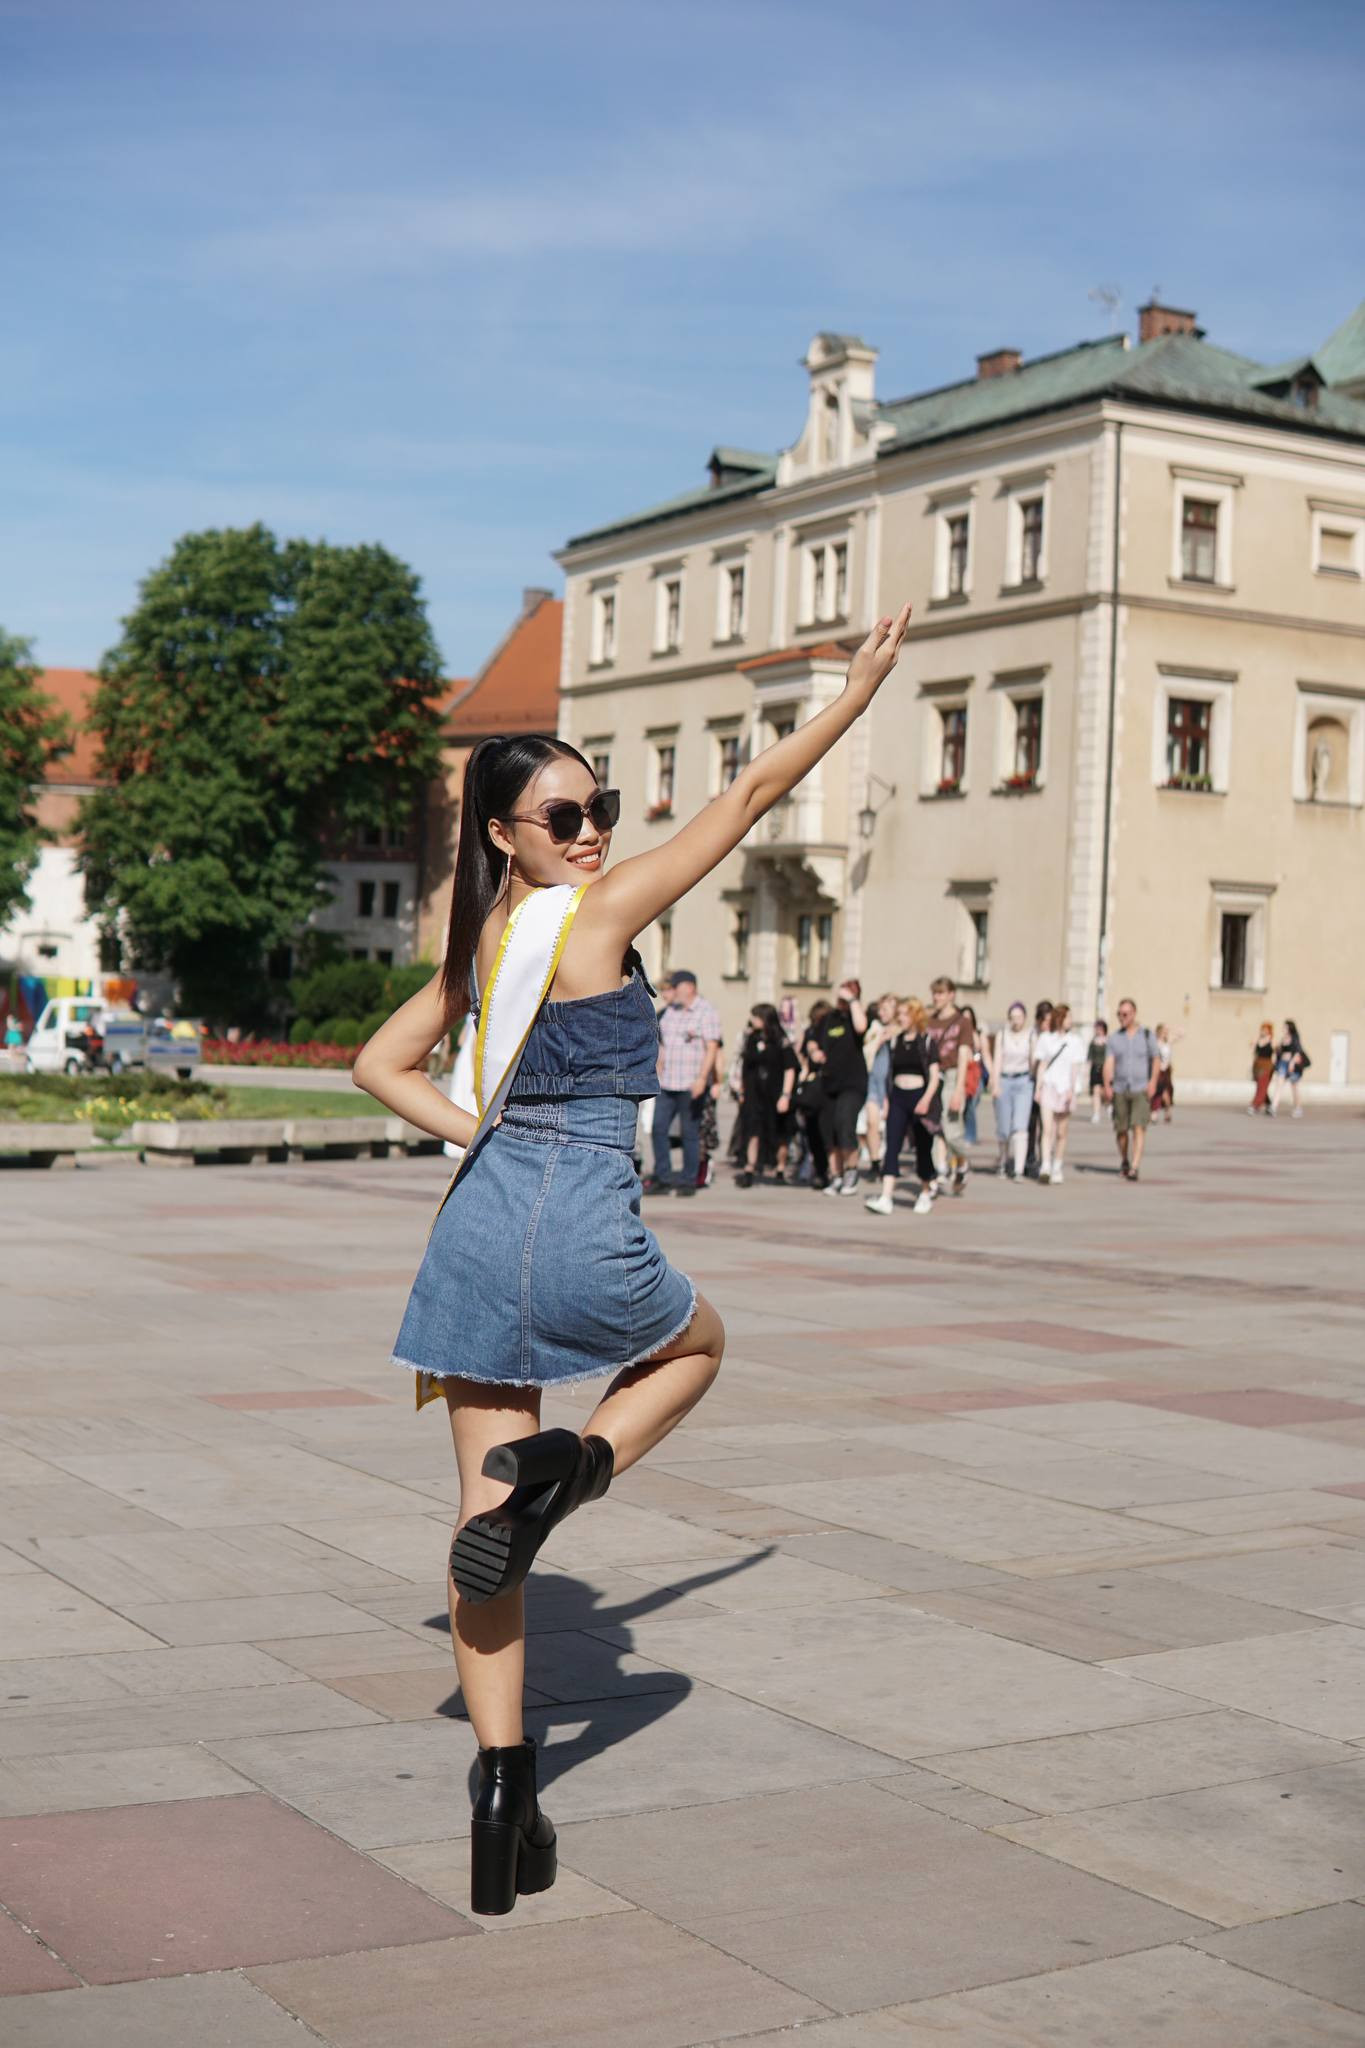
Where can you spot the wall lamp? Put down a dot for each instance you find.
(867, 816)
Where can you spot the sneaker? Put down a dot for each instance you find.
(924, 1202)
(833, 1187)
(849, 1184)
(880, 1205)
(1056, 1176)
(960, 1181)
(1293, 1112)
(744, 1180)
(656, 1187)
(1132, 1173)
(1095, 1118)
(1044, 1175)
(685, 1191)
(1125, 1169)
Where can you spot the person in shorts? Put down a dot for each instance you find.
(1131, 1069)
(954, 1043)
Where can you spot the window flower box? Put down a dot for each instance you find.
(1204, 782)
(1015, 783)
(662, 810)
(950, 785)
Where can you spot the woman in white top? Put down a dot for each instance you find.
(1056, 1057)
(1011, 1062)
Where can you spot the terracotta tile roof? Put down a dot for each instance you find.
(71, 690)
(518, 688)
(826, 650)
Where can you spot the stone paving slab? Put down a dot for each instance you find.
(983, 1662)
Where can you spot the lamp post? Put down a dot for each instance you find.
(867, 816)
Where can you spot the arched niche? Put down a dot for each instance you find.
(1327, 764)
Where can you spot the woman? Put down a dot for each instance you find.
(1056, 1056)
(1012, 1090)
(810, 1096)
(915, 1086)
(876, 1051)
(1262, 1068)
(1291, 1063)
(978, 1074)
(538, 1270)
(1163, 1096)
(1096, 1053)
(767, 1067)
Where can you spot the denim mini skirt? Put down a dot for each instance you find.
(538, 1269)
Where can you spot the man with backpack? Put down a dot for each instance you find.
(1132, 1069)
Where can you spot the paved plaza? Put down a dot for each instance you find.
(984, 1663)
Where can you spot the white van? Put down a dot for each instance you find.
(66, 1038)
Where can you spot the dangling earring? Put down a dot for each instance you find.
(506, 881)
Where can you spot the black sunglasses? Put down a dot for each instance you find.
(564, 820)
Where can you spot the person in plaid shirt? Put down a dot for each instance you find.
(689, 1046)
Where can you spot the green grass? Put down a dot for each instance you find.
(110, 1103)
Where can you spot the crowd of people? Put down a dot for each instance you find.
(842, 1097)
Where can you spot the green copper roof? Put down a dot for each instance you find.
(1342, 356)
(1179, 370)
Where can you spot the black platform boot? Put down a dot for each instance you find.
(513, 1841)
(551, 1474)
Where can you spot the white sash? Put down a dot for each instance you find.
(528, 958)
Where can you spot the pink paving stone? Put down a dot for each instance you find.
(300, 1397)
(124, 1893)
(1355, 1491)
(1067, 1337)
(1256, 1407)
(962, 1399)
(25, 1964)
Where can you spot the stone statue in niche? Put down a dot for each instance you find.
(1321, 776)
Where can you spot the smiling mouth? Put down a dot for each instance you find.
(585, 860)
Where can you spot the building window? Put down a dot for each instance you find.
(733, 590)
(664, 775)
(805, 933)
(384, 955)
(959, 542)
(600, 760)
(841, 579)
(1199, 540)
(729, 751)
(1233, 947)
(830, 450)
(739, 943)
(981, 921)
(826, 581)
(668, 622)
(665, 945)
(1189, 729)
(1028, 743)
(1338, 542)
(390, 899)
(1030, 539)
(359, 953)
(604, 627)
(364, 892)
(953, 749)
(781, 724)
(396, 838)
(824, 946)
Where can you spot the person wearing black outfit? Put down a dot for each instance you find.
(837, 1050)
(810, 1097)
(1042, 1021)
(767, 1064)
(916, 1081)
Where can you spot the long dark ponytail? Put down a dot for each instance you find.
(495, 775)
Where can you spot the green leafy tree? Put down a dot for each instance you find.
(264, 702)
(33, 732)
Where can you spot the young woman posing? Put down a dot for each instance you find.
(877, 1053)
(537, 1269)
(1012, 1089)
(915, 1085)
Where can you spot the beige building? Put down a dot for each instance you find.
(1124, 750)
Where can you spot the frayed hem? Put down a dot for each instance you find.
(563, 1379)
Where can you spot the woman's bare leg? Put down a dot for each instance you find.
(645, 1402)
(1061, 1125)
(488, 1637)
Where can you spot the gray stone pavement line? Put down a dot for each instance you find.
(32, 1934)
(1139, 1277)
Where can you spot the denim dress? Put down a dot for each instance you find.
(538, 1269)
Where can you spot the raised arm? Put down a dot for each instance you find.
(632, 895)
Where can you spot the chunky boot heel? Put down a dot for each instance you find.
(493, 1868)
(513, 1846)
(534, 1460)
(553, 1473)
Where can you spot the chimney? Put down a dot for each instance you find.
(1155, 320)
(998, 363)
(532, 598)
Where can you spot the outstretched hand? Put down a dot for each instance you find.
(876, 658)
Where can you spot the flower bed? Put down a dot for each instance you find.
(275, 1052)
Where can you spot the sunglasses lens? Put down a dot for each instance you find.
(605, 809)
(565, 821)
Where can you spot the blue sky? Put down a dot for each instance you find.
(468, 279)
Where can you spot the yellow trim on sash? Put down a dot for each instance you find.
(428, 1385)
